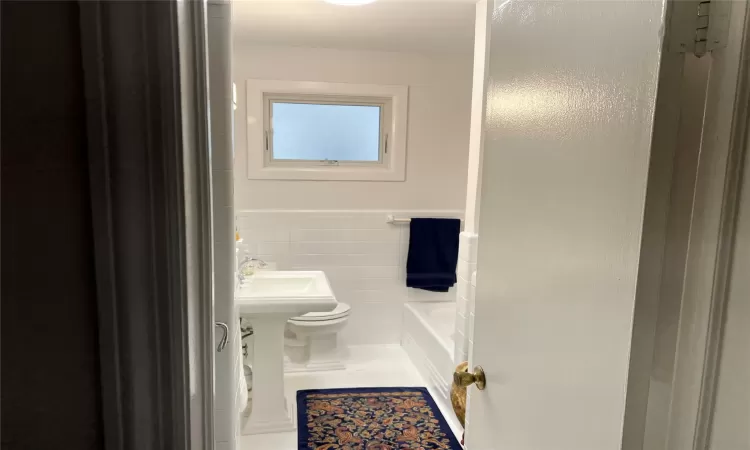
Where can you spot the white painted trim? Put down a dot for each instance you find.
(654, 239)
(478, 102)
(711, 233)
(393, 167)
(656, 317)
(196, 58)
(219, 38)
(290, 367)
(384, 104)
(386, 212)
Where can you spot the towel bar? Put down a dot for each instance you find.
(390, 218)
(394, 220)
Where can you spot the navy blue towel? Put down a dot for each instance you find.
(433, 254)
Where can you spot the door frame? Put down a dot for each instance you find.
(193, 65)
(131, 61)
(712, 229)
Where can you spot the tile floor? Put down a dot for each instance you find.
(368, 366)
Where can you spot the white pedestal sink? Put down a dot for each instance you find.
(268, 300)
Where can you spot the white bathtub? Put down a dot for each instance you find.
(439, 318)
(428, 340)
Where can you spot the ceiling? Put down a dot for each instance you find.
(433, 26)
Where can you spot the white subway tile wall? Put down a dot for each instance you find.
(363, 256)
(467, 265)
(472, 301)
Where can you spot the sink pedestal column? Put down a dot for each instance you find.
(270, 412)
(268, 300)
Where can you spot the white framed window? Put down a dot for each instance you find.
(326, 131)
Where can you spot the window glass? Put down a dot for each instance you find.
(317, 132)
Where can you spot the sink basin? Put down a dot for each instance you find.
(285, 292)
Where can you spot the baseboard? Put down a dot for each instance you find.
(260, 426)
(313, 367)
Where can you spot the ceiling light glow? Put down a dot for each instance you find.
(349, 2)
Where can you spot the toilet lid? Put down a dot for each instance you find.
(341, 310)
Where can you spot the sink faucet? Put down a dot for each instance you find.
(246, 262)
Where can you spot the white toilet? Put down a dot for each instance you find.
(312, 340)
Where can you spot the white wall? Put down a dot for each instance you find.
(438, 128)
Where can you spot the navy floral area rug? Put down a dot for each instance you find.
(371, 419)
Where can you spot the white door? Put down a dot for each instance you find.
(571, 95)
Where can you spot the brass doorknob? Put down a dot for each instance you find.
(466, 379)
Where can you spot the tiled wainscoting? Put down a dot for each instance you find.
(363, 256)
(467, 265)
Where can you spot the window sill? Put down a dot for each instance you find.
(327, 173)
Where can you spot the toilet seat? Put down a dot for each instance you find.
(341, 310)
